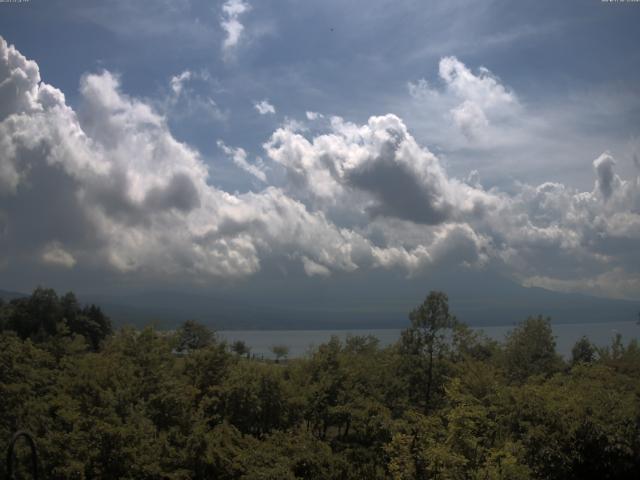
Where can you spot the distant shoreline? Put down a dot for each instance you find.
(300, 340)
(346, 329)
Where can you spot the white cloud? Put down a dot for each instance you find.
(20, 77)
(132, 199)
(109, 188)
(482, 88)
(379, 167)
(239, 157)
(18, 93)
(607, 179)
(421, 90)
(616, 283)
(480, 107)
(54, 254)
(293, 125)
(482, 95)
(177, 81)
(230, 23)
(313, 115)
(556, 235)
(378, 175)
(312, 268)
(186, 100)
(264, 107)
(469, 118)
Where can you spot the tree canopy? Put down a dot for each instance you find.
(44, 314)
(444, 402)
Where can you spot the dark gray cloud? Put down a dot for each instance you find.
(179, 193)
(399, 194)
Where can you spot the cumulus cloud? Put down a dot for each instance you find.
(108, 187)
(474, 101)
(568, 237)
(18, 89)
(380, 175)
(239, 157)
(469, 118)
(607, 180)
(482, 88)
(130, 198)
(378, 166)
(54, 254)
(482, 96)
(313, 115)
(264, 107)
(19, 78)
(232, 10)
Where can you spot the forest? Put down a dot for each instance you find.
(444, 402)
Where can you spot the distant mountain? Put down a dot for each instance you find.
(353, 301)
(8, 295)
(341, 304)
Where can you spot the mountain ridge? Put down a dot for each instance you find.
(502, 303)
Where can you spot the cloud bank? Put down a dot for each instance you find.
(108, 187)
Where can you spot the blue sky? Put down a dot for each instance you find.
(206, 142)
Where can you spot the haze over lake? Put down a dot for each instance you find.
(300, 342)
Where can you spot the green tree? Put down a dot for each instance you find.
(291, 455)
(531, 350)
(240, 348)
(43, 315)
(254, 398)
(216, 452)
(625, 359)
(582, 425)
(92, 324)
(418, 450)
(583, 352)
(36, 316)
(193, 336)
(280, 351)
(425, 342)
(324, 385)
(133, 408)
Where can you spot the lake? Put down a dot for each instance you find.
(301, 341)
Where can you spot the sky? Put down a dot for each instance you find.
(208, 145)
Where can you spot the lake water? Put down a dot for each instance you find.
(301, 342)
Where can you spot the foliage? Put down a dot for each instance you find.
(193, 336)
(44, 315)
(583, 351)
(530, 349)
(240, 348)
(425, 344)
(444, 402)
(280, 351)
